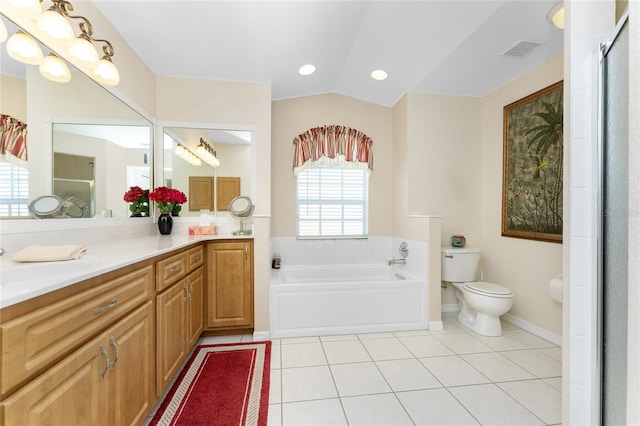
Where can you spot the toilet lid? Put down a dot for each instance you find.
(490, 289)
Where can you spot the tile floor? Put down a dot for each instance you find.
(451, 377)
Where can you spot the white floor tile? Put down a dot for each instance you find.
(275, 387)
(492, 406)
(556, 382)
(338, 337)
(358, 379)
(506, 325)
(386, 348)
(529, 339)
(463, 343)
(295, 340)
(435, 407)
(540, 398)
(307, 383)
(370, 410)
(496, 367)
(302, 355)
(425, 346)
(345, 351)
(276, 359)
(368, 336)
(536, 363)
(407, 374)
(274, 417)
(555, 353)
(502, 343)
(453, 371)
(450, 326)
(411, 333)
(319, 412)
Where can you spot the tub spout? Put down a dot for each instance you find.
(397, 262)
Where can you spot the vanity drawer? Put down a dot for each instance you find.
(33, 342)
(170, 270)
(195, 258)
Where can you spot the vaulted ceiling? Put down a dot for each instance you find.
(434, 46)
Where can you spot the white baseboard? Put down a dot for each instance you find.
(260, 336)
(554, 338)
(436, 326)
(451, 307)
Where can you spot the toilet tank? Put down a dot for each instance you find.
(460, 264)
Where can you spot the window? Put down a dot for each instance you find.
(14, 190)
(332, 202)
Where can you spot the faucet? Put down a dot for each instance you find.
(397, 261)
(404, 252)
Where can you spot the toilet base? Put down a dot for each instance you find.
(483, 324)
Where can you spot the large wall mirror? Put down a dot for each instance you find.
(207, 187)
(82, 142)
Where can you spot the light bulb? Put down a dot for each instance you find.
(28, 9)
(22, 47)
(56, 27)
(84, 52)
(53, 68)
(106, 73)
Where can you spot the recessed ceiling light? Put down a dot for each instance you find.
(379, 75)
(307, 69)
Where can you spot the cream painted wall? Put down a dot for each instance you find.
(294, 116)
(13, 97)
(525, 266)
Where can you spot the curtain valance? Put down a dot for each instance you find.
(13, 140)
(332, 145)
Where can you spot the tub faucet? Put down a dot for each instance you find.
(397, 261)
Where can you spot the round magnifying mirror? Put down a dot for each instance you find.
(47, 207)
(241, 208)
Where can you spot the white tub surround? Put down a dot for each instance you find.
(340, 299)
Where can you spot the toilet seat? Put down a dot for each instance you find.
(488, 289)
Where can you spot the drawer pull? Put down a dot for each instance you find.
(174, 269)
(112, 342)
(101, 309)
(246, 252)
(186, 291)
(103, 352)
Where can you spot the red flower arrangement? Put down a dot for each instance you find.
(139, 199)
(169, 200)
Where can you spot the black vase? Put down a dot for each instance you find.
(165, 223)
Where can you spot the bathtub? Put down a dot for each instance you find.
(339, 299)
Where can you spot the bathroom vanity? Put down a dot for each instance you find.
(103, 349)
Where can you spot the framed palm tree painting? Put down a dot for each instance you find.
(532, 166)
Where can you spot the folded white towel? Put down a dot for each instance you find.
(39, 253)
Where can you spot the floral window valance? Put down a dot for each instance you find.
(13, 140)
(330, 146)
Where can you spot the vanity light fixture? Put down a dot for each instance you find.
(22, 47)
(53, 68)
(188, 156)
(82, 49)
(207, 153)
(106, 72)
(28, 9)
(556, 15)
(54, 24)
(379, 75)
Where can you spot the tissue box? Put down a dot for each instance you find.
(203, 230)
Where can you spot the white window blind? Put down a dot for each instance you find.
(14, 190)
(332, 202)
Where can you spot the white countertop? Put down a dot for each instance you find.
(23, 281)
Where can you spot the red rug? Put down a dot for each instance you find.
(224, 384)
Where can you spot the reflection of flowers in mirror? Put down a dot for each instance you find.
(139, 201)
(169, 200)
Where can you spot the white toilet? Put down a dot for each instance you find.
(481, 303)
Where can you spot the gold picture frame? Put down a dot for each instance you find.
(532, 166)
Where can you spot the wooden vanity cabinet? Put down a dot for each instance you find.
(107, 380)
(179, 314)
(230, 284)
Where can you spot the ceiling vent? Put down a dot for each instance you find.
(521, 48)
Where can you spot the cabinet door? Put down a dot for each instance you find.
(228, 189)
(200, 193)
(132, 372)
(171, 317)
(230, 285)
(69, 393)
(195, 325)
